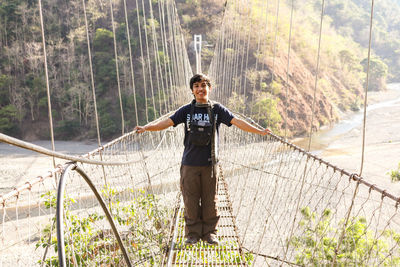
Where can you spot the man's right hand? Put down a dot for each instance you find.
(140, 129)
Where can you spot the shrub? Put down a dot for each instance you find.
(145, 218)
(395, 174)
(317, 244)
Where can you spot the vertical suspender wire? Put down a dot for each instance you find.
(236, 47)
(220, 67)
(220, 60)
(248, 48)
(158, 65)
(264, 65)
(316, 75)
(234, 55)
(259, 52)
(148, 58)
(223, 57)
(171, 41)
(188, 68)
(309, 144)
(228, 66)
(275, 41)
(93, 89)
(212, 69)
(241, 67)
(239, 57)
(180, 47)
(366, 88)
(185, 59)
(47, 82)
(256, 66)
(232, 58)
(117, 70)
(167, 74)
(287, 68)
(170, 52)
(143, 62)
(227, 60)
(131, 63)
(273, 61)
(176, 45)
(345, 224)
(228, 88)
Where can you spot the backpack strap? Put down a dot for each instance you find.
(213, 121)
(192, 112)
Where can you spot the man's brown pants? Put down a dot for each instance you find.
(198, 187)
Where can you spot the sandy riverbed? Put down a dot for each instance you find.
(382, 142)
(18, 166)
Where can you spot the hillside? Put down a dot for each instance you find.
(340, 84)
(341, 77)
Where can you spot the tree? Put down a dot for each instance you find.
(378, 72)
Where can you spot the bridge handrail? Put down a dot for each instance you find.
(60, 213)
(353, 176)
(58, 169)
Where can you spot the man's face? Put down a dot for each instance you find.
(201, 91)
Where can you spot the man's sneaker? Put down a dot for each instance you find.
(191, 240)
(211, 239)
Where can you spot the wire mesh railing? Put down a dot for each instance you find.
(139, 195)
(293, 208)
(283, 205)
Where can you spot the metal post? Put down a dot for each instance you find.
(197, 49)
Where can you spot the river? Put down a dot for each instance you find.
(342, 143)
(339, 144)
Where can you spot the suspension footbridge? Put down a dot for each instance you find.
(120, 204)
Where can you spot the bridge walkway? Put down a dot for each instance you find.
(227, 253)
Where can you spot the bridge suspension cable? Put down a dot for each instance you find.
(366, 87)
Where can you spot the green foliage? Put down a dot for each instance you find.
(67, 128)
(103, 40)
(109, 126)
(8, 115)
(352, 19)
(224, 255)
(275, 87)
(87, 245)
(265, 111)
(318, 243)
(237, 102)
(395, 174)
(4, 83)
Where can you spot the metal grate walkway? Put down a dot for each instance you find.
(227, 253)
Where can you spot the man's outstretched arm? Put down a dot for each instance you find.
(161, 125)
(245, 126)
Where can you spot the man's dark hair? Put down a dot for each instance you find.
(198, 78)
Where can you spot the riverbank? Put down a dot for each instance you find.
(382, 141)
(18, 165)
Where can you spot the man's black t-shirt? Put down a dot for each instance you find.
(199, 155)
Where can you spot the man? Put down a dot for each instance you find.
(198, 178)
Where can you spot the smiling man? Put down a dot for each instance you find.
(202, 119)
